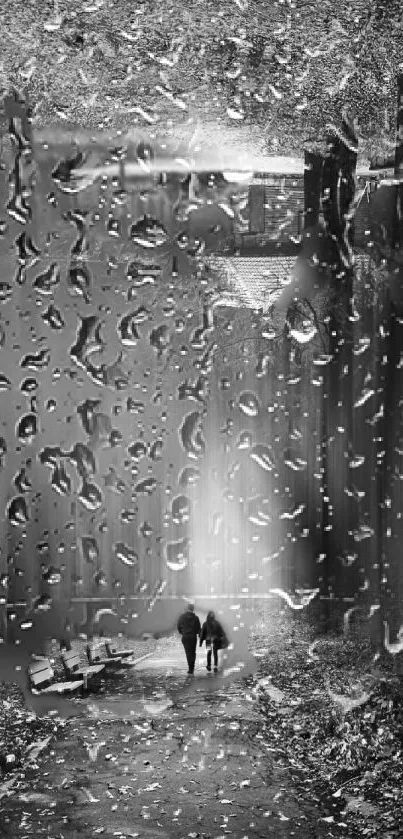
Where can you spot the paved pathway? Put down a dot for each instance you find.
(161, 755)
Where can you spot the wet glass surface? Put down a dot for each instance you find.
(200, 386)
(158, 426)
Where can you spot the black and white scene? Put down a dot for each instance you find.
(201, 419)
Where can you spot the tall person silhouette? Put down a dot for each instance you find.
(189, 628)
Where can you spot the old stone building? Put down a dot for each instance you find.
(264, 252)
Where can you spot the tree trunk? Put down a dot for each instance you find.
(392, 496)
(338, 188)
(312, 188)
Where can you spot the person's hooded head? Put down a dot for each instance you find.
(211, 621)
(191, 607)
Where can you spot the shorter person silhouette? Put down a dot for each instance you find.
(213, 634)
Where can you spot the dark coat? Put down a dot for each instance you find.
(189, 625)
(213, 634)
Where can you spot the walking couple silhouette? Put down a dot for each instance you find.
(211, 632)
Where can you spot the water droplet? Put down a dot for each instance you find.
(182, 240)
(29, 386)
(114, 375)
(322, 359)
(249, 403)
(114, 227)
(46, 283)
(80, 281)
(22, 482)
(347, 559)
(88, 340)
(318, 381)
(297, 465)
(262, 456)
(363, 532)
(141, 315)
(113, 482)
(43, 603)
(52, 576)
(199, 339)
(127, 516)
(42, 547)
(51, 405)
(177, 554)
(49, 456)
(181, 508)
(303, 336)
(179, 325)
(6, 292)
(196, 247)
(27, 428)
(90, 495)
(83, 459)
(262, 365)
(356, 461)
(96, 425)
(116, 438)
(137, 450)
(90, 548)
(64, 174)
(363, 344)
(37, 361)
(125, 554)
(190, 435)
(244, 440)
(156, 450)
(148, 233)
(145, 530)
(5, 383)
(188, 476)
(159, 338)
(197, 391)
(53, 318)
(146, 487)
(17, 511)
(61, 482)
(142, 280)
(292, 514)
(127, 330)
(258, 511)
(135, 407)
(140, 268)
(100, 579)
(365, 395)
(269, 333)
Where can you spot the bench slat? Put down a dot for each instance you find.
(38, 679)
(95, 668)
(40, 672)
(63, 687)
(71, 660)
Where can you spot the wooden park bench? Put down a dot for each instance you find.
(94, 657)
(72, 666)
(41, 675)
(112, 652)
